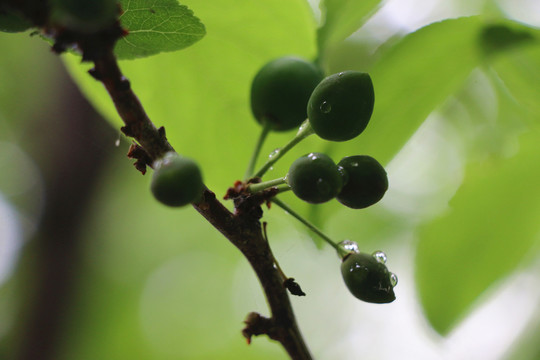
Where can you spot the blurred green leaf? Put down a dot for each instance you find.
(201, 95)
(35, 85)
(520, 73)
(150, 292)
(492, 224)
(342, 18)
(156, 26)
(497, 37)
(412, 78)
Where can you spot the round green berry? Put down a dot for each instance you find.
(280, 92)
(12, 22)
(177, 180)
(341, 105)
(365, 181)
(85, 16)
(315, 178)
(367, 278)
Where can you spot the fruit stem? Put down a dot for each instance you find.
(307, 223)
(282, 188)
(303, 132)
(253, 188)
(257, 150)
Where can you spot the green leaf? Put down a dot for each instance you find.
(201, 95)
(497, 37)
(156, 26)
(412, 77)
(520, 72)
(416, 75)
(488, 232)
(342, 18)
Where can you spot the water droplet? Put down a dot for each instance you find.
(379, 256)
(304, 125)
(349, 246)
(325, 107)
(341, 74)
(274, 153)
(393, 279)
(271, 168)
(344, 175)
(117, 142)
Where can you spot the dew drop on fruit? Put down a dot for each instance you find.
(344, 174)
(349, 246)
(325, 107)
(379, 256)
(393, 279)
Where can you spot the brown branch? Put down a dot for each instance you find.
(137, 123)
(241, 230)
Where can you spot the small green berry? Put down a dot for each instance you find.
(341, 105)
(85, 15)
(314, 178)
(12, 22)
(177, 180)
(365, 181)
(368, 278)
(280, 92)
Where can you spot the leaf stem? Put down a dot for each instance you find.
(308, 225)
(303, 132)
(257, 150)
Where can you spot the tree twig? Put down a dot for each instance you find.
(243, 231)
(243, 228)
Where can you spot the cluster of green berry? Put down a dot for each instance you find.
(288, 90)
(290, 93)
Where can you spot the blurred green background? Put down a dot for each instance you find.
(91, 267)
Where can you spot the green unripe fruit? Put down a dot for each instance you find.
(315, 178)
(280, 92)
(366, 181)
(85, 15)
(177, 181)
(368, 279)
(12, 22)
(341, 105)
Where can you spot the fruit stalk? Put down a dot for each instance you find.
(253, 188)
(303, 132)
(260, 141)
(308, 225)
